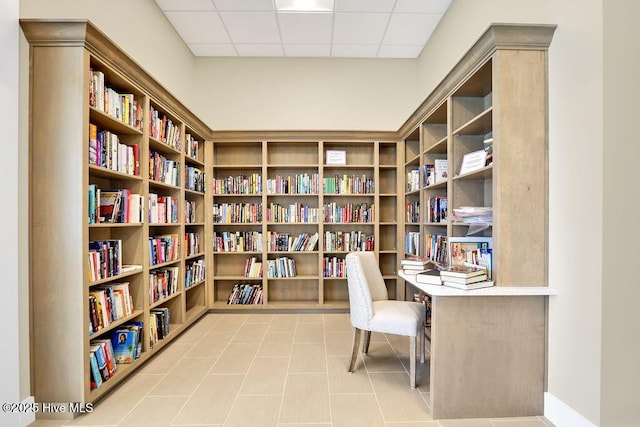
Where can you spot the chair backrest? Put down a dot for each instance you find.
(366, 285)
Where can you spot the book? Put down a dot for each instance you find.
(415, 261)
(96, 378)
(466, 250)
(440, 169)
(462, 271)
(109, 205)
(476, 285)
(465, 280)
(429, 277)
(124, 345)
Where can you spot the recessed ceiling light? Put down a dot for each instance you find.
(304, 5)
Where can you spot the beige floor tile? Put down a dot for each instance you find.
(229, 323)
(398, 401)
(154, 411)
(414, 424)
(367, 413)
(184, 378)
(194, 334)
(338, 342)
(250, 333)
(283, 323)
(306, 425)
(337, 322)
(235, 359)
(259, 318)
(342, 381)
(115, 406)
(518, 422)
(378, 337)
(310, 318)
(211, 401)
(309, 333)
(259, 411)
(382, 358)
(276, 344)
(166, 359)
(267, 375)
(468, 422)
(399, 343)
(212, 344)
(308, 357)
(48, 423)
(306, 399)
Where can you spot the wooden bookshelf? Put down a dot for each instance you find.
(300, 157)
(62, 169)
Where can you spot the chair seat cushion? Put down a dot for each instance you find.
(397, 317)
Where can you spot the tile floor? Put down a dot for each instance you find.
(274, 370)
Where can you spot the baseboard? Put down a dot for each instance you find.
(28, 417)
(562, 415)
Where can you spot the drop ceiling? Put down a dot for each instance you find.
(348, 29)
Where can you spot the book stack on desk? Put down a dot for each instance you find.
(414, 265)
(465, 277)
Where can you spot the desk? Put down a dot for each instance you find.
(488, 350)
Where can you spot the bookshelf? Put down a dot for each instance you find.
(136, 143)
(496, 96)
(284, 179)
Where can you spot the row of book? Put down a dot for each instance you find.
(190, 211)
(192, 243)
(297, 184)
(413, 180)
(412, 242)
(194, 272)
(124, 347)
(252, 268)
(281, 267)
(191, 146)
(108, 303)
(347, 241)
(245, 293)
(121, 106)
(114, 206)
(162, 209)
(412, 211)
(106, 150)
(293, 213)
(164, 130)
(163, 248)
(345, 184)
(237, 213)
(237, 241)
(163, 283)
(241, 184)
(437, 209)
(435, 172)
(105, 259)
(286, 242)
(436, 247)
(163, 170)
(159, 321)
(194, 179)
(334, 267)
(349, 212)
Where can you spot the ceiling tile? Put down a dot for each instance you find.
(259, 49)
(251, 27)
(422, 6)
(359, 28)
(364, 5)
(354, 51)
(411, 29)
(395, 51)
(185, 4)
(305, 28)
(198, 27)
(213, 49)
(307, 50)
(246, 5)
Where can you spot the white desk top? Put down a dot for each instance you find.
(446, 291)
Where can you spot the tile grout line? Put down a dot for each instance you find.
(286, 376)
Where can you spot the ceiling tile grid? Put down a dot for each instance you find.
(339, 28)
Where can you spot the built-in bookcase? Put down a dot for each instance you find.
(297, 193)
(103, 133)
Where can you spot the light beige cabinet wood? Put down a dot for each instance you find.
(62, 170)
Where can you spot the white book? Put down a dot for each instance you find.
(476, 285)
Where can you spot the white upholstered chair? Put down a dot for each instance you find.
(372, 311)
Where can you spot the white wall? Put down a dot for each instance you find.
(575, 174)
(12, 341)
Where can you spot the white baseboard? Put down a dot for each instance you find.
(27, 417)
(562, 415)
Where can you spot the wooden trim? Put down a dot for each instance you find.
(308, 135)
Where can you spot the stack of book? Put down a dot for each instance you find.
(465, 277)
(413, 265)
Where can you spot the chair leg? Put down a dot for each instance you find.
(422, 343)
(354, 351)
(412, 361)
(367, 340)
